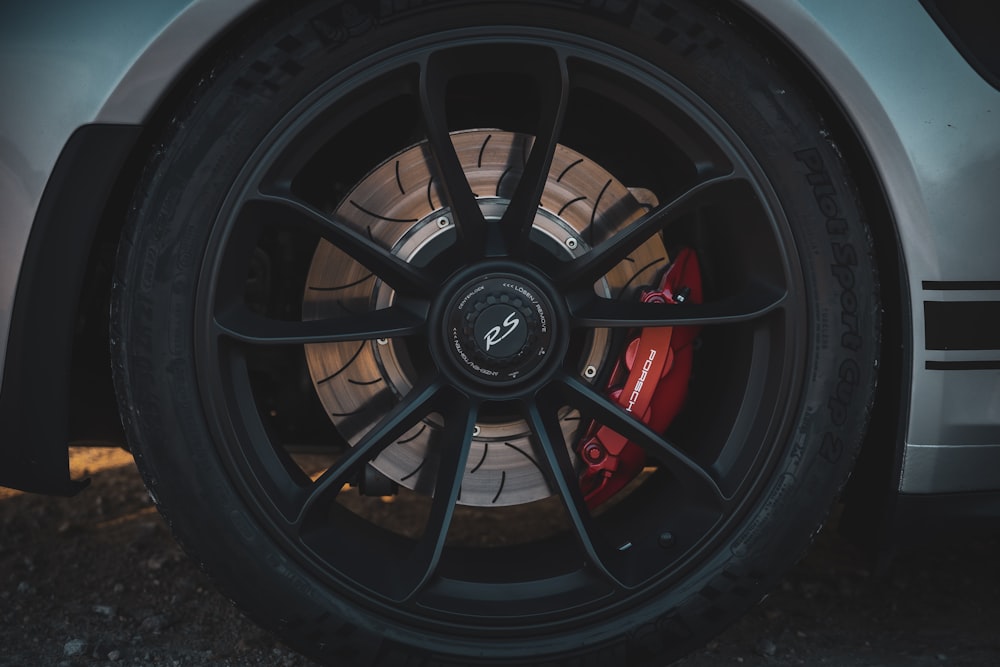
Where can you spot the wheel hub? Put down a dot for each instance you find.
(499, 329)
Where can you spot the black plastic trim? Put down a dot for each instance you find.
(962, 365)
(962, 285)
(962, 325)
(34, 404)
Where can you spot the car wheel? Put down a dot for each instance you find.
(379, 323)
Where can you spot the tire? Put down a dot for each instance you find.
(254, 267)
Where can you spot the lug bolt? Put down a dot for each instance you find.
(475, 430)
(382, 341)
(572, 243)
(590, 372)
(443, 222)
(594, 453)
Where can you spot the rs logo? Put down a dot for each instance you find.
(494, 335)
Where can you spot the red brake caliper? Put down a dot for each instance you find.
(658, 364)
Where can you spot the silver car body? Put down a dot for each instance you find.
(928, 121)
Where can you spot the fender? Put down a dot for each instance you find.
(55, 189)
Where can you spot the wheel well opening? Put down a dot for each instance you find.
(93, 417)
(870, 494)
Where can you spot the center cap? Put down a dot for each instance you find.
(499, 328)
(501, 331)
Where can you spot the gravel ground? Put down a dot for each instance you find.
(97, 580)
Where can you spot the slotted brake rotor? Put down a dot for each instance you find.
(399, 206)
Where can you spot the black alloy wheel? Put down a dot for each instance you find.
(377, 282)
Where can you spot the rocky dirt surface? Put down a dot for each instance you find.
(97, 580)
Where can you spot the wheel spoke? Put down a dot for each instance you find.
(552, 79)
(590, 267)
(470, 225)
(753, 302)
(241, 324)
(419, 402)
(541, 418)
(270, 461)
(698, 480)
(286, 209)
(455, 444)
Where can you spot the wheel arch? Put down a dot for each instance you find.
(57, 352)
(871, 494)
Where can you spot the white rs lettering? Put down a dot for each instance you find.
(494, 335)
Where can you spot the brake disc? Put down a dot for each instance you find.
(399, 205)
